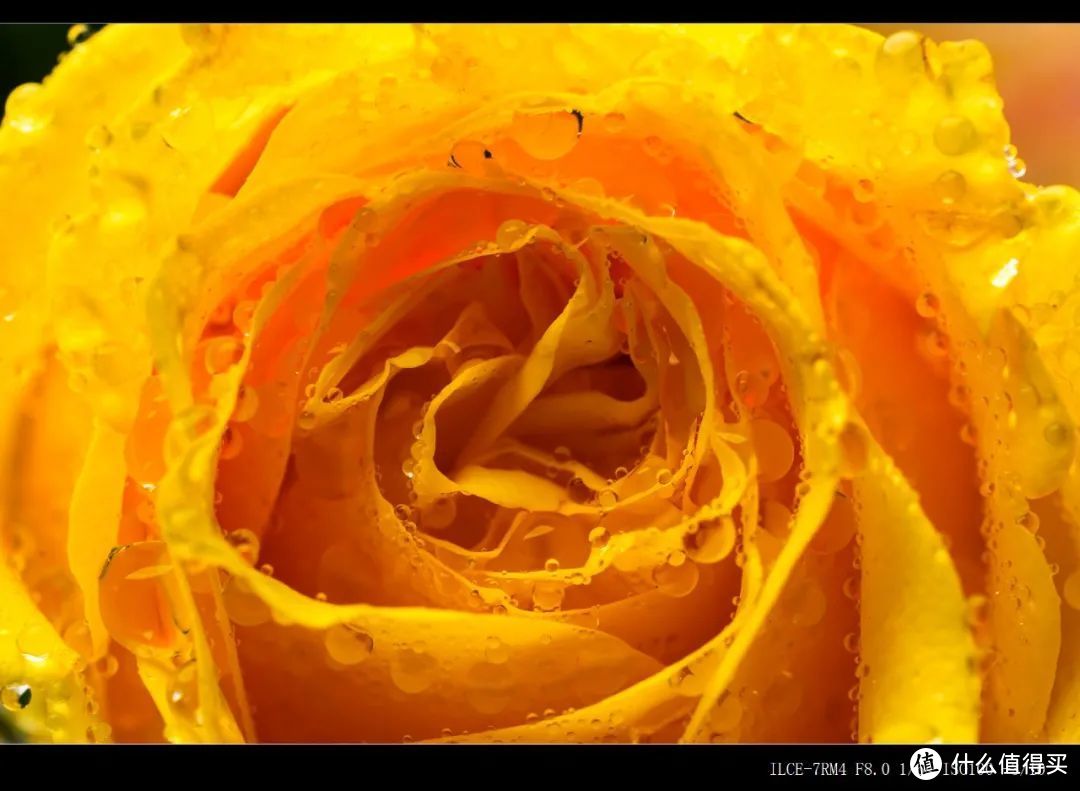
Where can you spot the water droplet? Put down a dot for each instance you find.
(33, 642)
(108, 666)
(348, 644)
(676, 581)
(222, 353)
(189, 128)
(976, 614)
(663, 476)
(413, 670)
(726, 714)
(496, 651)
(561, 454)
(98, 138)
(712, 541)
(613, 123)
(599, 537)
(851, 588)
(307, 420)
(231, 445)
(1057, 434)
(548, 596)
(546, 135)
(76, 34)
(21, 111)
(77, 635)
(607, 498)
(243, 315)
(578, 490)
(1029, 521)
(656, 148)
(1071, 590)
(676, 558)
(182, 691)
(955, 135)
(774, 448)
(203, 38)
(247, 404)
(16, 697)
(863, 190)
(470, 156)
(950, 187)
(902, 51)
(927, 305)
(246, 543)
(551, 565)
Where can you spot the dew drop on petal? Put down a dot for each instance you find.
(1057, 434)
(545, 135)
(76, 33)
(726, 714)
(676, 581)
(231, 444)
(222, 353)
(16, 697)
(1071, 590)
(247, 404)
(548, 596)
(510, 232)
(495, 651)
(189, 128)
(950, 187)
(955, 135)
(712, 541)
(927, 305)
(182, 691)
(578, 490)
(413, 670)
(33, 643)
(607, 498)
(98, 138)
(21, 111)
(774, 448)
(243, 315)
(246, 543)
(347, 644)
(599, 537)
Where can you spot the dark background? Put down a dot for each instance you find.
(29, 52)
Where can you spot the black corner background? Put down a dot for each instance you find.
(28, 52)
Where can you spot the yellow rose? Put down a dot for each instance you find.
(538, 383)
